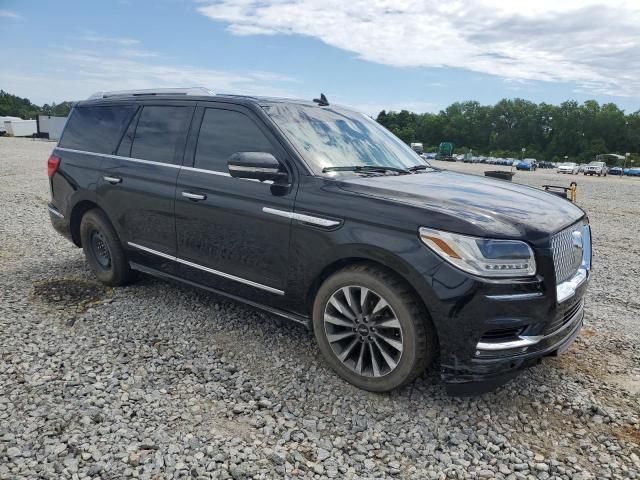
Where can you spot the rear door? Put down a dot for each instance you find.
(226, 240)
(137, 187)
(91, 132)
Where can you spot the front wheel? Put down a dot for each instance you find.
(103, 249)
(372, 329)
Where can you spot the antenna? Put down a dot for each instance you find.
(322, 101)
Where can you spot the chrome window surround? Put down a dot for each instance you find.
(207, 269)
(160, 164)
(151, 162)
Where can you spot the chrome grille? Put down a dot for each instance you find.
(566, 257)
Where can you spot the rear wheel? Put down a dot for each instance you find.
(372, 329)
(103, 249)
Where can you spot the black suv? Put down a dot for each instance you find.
(318, 214)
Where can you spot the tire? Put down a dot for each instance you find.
(369, 363)
(103, 250)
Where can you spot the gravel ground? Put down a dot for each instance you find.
(157, 380)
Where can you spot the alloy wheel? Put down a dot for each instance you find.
(363, 331)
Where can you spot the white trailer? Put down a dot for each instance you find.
(50, 127)
(21, 128)
(6, 119)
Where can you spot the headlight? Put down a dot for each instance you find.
(482, 256)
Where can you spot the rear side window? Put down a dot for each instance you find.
(223, 133)
(96, 129)
(161, 133)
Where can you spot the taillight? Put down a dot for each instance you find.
(52, 164)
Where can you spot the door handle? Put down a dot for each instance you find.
(112, 180)
(194, 196)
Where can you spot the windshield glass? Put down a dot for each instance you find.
(333, 137)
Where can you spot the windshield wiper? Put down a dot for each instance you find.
(416, 168)
(364, 168)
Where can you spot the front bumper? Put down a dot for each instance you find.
(485, 374)
(493, 330)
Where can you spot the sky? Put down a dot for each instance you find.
(367, 54)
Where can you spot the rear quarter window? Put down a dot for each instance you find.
(97, 128)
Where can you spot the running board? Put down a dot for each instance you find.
(294, 317)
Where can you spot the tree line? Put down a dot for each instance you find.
(13, 106)
(547, 132)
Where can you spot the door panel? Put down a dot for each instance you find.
(138, 192)
(228, 231)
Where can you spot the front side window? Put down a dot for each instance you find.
(96, 128)
(329, 137)
(161, 133)
(223, 133)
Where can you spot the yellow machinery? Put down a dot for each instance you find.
(570, 192)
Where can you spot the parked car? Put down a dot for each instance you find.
(617, 171)
(318, 214)
(546, 165)
(568, 167)
(527, 164)
(632, 172)
(596, 168)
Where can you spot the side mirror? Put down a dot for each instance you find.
(255, 165)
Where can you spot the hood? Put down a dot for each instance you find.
(471, 204)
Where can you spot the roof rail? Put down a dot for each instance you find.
(153, 91)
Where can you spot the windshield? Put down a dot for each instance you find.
(333, 137)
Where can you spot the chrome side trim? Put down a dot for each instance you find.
(230, 277)
(323, 222)
(150, 250)
(118, 157)
(567, 289)
(515, 296)
(207, 269)
(55, 212)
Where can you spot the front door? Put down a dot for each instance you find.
(225, 238)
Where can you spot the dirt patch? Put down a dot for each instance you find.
(630, 433)
(630, 383)
(70, 294)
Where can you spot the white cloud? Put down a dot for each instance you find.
(95, 38)
(74, 74)
(592, 43)
(10, 14)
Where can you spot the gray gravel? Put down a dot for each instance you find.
(157, 380)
